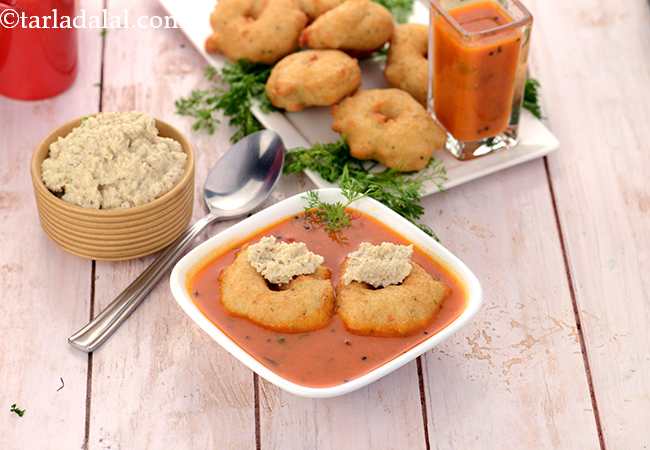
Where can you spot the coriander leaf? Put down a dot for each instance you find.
(232, 92)
(531, 97)
(380, 55)
(326, 159)
(331, 216)
(398, 191)
(19, 412)
(334, 217)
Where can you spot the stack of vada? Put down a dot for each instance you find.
(390, 126)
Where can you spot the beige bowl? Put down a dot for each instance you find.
(115, 234)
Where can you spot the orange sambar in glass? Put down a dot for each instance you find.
(474, 73)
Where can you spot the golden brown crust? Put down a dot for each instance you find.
(315, 8)
(355, 25)
(406, 66)
(305, 304)
(255, 30)
(397, 310)
(389, 126)
(312, 78)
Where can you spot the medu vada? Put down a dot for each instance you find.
(261, 31)
(305, 303)
(406, 66)
(396, 310)
(389, 126)
(355, 26)
(315, 8)
(312, 78)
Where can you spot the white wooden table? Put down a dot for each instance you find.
(559, 357)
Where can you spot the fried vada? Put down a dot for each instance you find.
(389, 126)
(312, 78)
(305, 303)
(355, 26)
(315, 8)
(396, 310)
(406, 66)
(261, 31)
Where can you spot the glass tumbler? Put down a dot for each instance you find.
(478, 53)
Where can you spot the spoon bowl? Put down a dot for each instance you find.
(260, 157)
(240, 182)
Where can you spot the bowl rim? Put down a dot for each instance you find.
(60, 131)
(286, 208)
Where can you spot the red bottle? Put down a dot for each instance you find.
(36, 63)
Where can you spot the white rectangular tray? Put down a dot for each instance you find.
(304, 128)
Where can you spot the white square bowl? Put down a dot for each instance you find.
(287, 208)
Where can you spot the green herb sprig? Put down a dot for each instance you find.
(333, 217)
(232, 92)
(531, 97)
(398, 191)
(381, 55)
(16, 410)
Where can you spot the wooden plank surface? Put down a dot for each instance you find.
(45, 291)
(159, 332)
(160, 382)
(384, 415)
(597, 96)
(514, 378)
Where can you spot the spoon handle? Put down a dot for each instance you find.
(99, 329)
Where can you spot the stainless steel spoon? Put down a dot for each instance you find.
(237, 184)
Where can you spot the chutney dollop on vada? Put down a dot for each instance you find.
(279, 285)
(384, 293)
